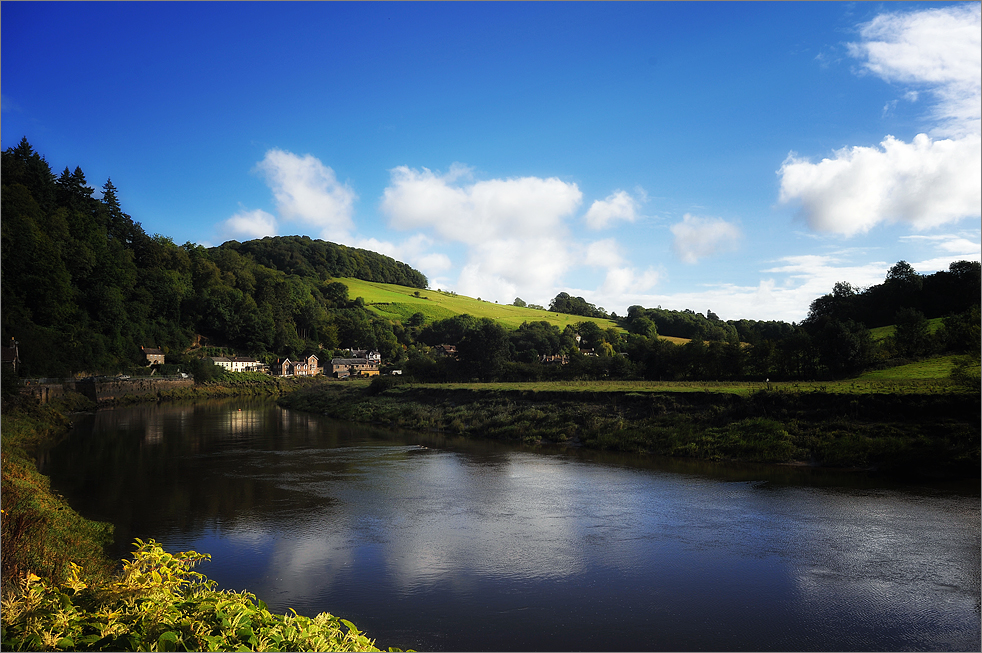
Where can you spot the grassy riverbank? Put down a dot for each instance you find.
(904, 432)
(60, 591)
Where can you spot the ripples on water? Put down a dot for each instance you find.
(431, 543)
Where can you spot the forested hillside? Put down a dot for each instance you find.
(302, 256)
(84, 287)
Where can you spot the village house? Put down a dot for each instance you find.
(154, 356)
(553, 360)
(342, 368)
(450, 351)
(365, 353)
(302, 367)
(221, 361)
(237, 364)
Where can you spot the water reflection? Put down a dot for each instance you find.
(435, 543)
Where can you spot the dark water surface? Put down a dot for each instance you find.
(479, 546)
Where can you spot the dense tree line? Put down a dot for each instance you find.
(302, 256)
(84, 288)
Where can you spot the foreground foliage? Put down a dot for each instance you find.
(160, 604)
(61, 592)
(40, 532)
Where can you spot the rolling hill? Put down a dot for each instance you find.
(401, 302)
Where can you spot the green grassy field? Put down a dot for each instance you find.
(400, 303)
(931, 368)
(922, 377)
(884, 332)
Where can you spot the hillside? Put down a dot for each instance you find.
(400, 303)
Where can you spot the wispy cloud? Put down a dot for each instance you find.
(935, 179)
(940, 49)
(697, 238)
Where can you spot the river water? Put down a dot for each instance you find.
(432, 543)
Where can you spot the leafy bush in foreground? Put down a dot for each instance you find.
(159, 604)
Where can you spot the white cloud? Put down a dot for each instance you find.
(939, 48)
(697, 238)
(308, 192)
(619, 205)
(474, 213)
(925, 183)
(603, 254)
(784, 292)
(413, 251)
(952, 243)
(949, 248)
(933, 180)
(625, 281)
(514, 229)
(247, 225)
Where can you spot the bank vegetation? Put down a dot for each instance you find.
(916, 434)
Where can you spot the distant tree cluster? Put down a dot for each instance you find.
(564, 303)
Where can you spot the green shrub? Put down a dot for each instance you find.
(159, 604)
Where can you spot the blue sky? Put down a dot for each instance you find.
(738, 157)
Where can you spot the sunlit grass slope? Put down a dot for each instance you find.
(931, 368)
(884, 332)
(400, 303)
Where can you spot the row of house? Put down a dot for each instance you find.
(361, 363)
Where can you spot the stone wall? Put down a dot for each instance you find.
(113, 389)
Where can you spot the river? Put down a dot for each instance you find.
(438, 543)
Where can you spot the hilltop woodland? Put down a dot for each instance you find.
(84, 287)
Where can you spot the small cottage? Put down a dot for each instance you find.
(154, 356)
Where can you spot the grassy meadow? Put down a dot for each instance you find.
(929, 376)
(884, 332)
(400, 303)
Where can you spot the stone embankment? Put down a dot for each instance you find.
(103, 390)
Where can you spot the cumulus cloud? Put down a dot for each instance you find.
(626, 281)
(247, 225)
(308, 192)
(619, 205)
(936, 178)
(413, 250)
(603, 254)
(925, 183)
(476, 212)
(514, 229)
(697, 238)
